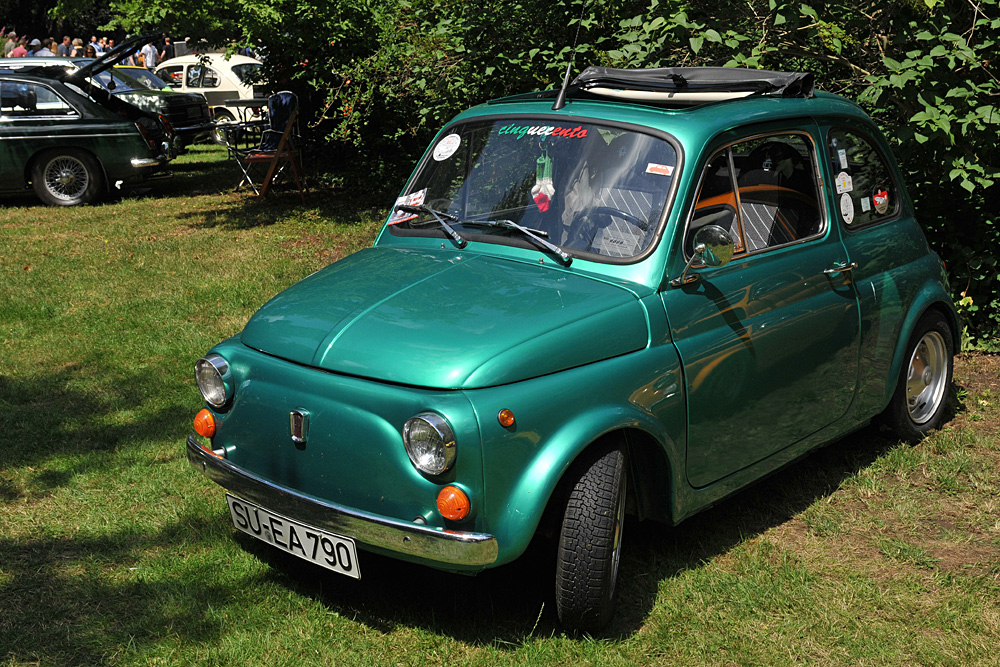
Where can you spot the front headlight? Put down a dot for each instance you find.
(211, 373)
(430, 443)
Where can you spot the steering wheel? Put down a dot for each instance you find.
(585, 228)
(614, 212)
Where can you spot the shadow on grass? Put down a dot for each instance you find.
(84, 601)
(505, 607)
(50, 415)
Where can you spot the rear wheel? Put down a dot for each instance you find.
(918, 404)
(66, 177)
(222, 117)
(590, 539)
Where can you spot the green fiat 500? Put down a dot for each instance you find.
(639, 299)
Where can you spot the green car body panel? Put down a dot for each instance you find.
(692, 378)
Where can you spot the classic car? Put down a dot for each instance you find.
(71, 140)
(187, 113)
(638, 300)
(217, 78)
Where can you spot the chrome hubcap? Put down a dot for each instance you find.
(66, 178)
(926, 377)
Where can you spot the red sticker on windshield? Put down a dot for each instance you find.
(661, 169)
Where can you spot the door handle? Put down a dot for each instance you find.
(842, 267)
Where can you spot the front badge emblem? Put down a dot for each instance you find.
(299, 424)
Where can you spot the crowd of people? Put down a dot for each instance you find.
(15, 46)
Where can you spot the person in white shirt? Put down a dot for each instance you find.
(149, 56)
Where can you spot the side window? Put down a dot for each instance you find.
(210, 79)
(763, 191)
(193, 78)
(174, 75)
(865, 190)
(27, 100)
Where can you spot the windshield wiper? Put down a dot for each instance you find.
(536, 235)
(440, 216)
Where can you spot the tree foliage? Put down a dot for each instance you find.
(390, 72)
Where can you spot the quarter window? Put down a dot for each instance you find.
(864, 187)
(762, 191)
(19, 99)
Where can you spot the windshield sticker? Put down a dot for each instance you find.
(412, 199)
(881, 201)
(847, 208)
(660, 169)
(844, 183)
(866, 204)
(842, 155)
(447, 147)
(577, 132)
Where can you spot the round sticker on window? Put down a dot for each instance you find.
(447, 147)
(847, 208)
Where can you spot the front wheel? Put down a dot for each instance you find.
(918, 404)
(66, 178)
(590, 539)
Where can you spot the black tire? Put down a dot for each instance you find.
(66, 177)
(919, 402)
(589, 546)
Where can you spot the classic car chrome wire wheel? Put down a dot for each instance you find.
(590, 538)
(66, 177)
(918, 404)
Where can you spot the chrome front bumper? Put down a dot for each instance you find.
(413, 540)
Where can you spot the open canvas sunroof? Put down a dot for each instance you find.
(691, 85)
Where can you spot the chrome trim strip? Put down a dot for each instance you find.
(66, 136)
(403, 537)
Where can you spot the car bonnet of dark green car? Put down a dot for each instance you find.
(447, 319)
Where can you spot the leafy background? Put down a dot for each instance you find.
(384, 75)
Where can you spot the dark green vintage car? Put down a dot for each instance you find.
(639, 299)
(72, 141)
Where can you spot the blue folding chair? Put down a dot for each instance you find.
(278, 147)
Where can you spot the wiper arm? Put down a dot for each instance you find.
(536, 235)
(439, 216)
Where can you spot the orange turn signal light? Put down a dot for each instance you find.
(204, 423)
(453, 503)
(506, 418)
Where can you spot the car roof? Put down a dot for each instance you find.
(234, 59)
(712, 104)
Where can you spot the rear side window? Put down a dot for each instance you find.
(865, 190)
(29, 100)
(762, 191)
(174, 74)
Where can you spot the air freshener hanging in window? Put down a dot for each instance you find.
(544, 190)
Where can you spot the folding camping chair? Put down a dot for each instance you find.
(278, 147)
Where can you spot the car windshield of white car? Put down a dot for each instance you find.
(597, 191)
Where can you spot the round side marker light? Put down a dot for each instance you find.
(506, 418)
(204, 423)
(453, 503)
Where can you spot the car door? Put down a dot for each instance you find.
(768, 342)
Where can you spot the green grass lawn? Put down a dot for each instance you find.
(114, 551)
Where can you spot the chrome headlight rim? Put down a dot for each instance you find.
(220, 392)
(444, 459)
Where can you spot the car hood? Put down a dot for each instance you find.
(157, 100)
(446, 320)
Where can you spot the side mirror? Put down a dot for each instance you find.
(713, 246)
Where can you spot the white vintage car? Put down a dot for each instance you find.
(217, 78)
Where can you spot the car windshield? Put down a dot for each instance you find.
(122, 82)
(594, 190)
(145, 77)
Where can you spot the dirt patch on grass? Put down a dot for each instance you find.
(325, 250)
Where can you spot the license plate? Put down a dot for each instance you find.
(334, 552)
